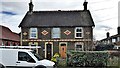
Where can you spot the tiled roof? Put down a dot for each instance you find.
(57, 19)
(7, 34)
(111, 37)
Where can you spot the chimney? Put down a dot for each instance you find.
(30, 6)
(118, 29)
(85, 5)
(108, 34)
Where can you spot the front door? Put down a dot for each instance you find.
(63, 50)
(49, 51)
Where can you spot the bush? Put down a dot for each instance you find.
(88, 59)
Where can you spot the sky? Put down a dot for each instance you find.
(104, 13)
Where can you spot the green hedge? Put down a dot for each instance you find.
(87, 58)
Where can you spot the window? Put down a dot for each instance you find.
(37, 56)
(78, 32)
(113, 40)
(78, 47)
(33, 33)
(56, 33)
(118, 39)
(34, 44)
(22, 56)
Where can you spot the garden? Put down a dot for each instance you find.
(92, 59)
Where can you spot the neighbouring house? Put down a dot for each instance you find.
(57, 31)
(114, 39)
(8, 38)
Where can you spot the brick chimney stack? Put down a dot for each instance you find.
(108, 34)
(31, 6)
(85, 5)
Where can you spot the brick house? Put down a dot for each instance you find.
(57, 31)
(8, 38)
(114, 39)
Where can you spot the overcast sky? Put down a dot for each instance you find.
(104, 13)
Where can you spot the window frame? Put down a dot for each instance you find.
(26, 57)
(80, 49)
(36, 33)
(78, 32)
(113, 40)
(53, 35)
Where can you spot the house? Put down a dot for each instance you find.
(114, 39)
(57, 31)
(8, 38)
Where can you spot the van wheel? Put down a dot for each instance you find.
(40, 66)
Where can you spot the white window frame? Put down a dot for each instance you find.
(76, 49)
(78, 32)
(59, 32)
(113, 40)
(36, 32)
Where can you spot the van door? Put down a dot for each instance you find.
(25, 60)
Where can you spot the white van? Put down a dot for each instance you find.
(22, 58)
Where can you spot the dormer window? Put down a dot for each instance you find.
(78, 32)
(33, 33)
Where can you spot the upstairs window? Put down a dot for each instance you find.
(33, 33)
(118, 39)
(113, 40)
(78, 32)
(56, 33)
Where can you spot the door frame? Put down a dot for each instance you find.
(60, 45)
(46, 48)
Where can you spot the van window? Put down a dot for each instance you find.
(37, 56)
(22, 56)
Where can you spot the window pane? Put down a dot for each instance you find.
(33, 32)
(78, 34)
(33, 35)
(33, 29)
(56, 33)
(78, 30)
(56, 30)
(22, 56)
(78, 46)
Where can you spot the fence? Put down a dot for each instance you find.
(93, 58)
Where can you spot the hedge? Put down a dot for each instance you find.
(87, 58)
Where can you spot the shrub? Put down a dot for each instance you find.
(88, 59)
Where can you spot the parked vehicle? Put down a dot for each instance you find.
(22, 58)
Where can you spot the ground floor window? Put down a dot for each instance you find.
(34, 44)
(79, 46)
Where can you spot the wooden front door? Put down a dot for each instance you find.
(63, 50)
(49, 51)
